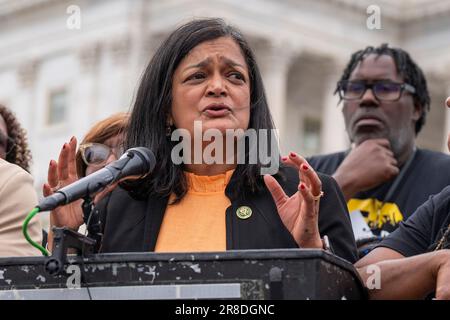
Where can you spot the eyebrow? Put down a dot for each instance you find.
(207, 61)
(232, 63)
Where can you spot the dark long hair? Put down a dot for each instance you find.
(406, 67)
(153, 101)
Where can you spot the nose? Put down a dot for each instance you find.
(369, 99)
(217, 86)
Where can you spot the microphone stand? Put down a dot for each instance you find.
(91, 218)
(65, 238)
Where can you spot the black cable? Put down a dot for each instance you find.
(87, 202)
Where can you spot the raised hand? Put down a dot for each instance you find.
(300, 212)
(368, 165)
(61, 174)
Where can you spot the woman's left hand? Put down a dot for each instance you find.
(300, 212)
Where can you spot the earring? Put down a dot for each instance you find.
(169, 125)
(168, 131)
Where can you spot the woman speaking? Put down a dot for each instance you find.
(204, 75)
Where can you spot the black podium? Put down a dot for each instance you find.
(243, 274)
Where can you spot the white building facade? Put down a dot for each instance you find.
(67, 64)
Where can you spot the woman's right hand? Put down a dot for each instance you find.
(61, 174)
(299, 212)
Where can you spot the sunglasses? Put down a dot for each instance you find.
(98, 154)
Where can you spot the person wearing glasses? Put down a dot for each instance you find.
(101, 145)
(384, 176)
(17, 194)
(413, 262)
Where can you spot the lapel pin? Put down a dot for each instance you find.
(244, 212)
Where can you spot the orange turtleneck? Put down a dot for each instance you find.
(197, 223)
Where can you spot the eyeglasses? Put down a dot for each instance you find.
(97, 153)
(382, 90)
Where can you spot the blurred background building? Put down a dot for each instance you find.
(67, 64)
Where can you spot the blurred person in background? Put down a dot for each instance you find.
(17, 194)
(102, 144)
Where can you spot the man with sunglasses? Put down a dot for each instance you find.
(383, 176)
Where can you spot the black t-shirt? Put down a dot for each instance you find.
(386, 205)
(424, 229)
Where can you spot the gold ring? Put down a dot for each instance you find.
(317, 198)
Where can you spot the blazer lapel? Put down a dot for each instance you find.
(156, 208)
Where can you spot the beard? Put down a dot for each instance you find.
(399, 139)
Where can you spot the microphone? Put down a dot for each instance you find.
(135, 163)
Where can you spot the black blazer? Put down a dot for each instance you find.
(130, 225)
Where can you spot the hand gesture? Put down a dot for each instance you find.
(61, 174)
(299, 212)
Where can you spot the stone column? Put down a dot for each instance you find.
(334, 137)
(25, 101)
(87, 87)
(27, 76)
(119, 97)
(274, 59)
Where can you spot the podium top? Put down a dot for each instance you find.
(255, 274)
(260, 254)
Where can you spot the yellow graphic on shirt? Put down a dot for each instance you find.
(378, 215)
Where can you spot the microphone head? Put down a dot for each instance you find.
(136, 163)
(146, 156)
(146, 161)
